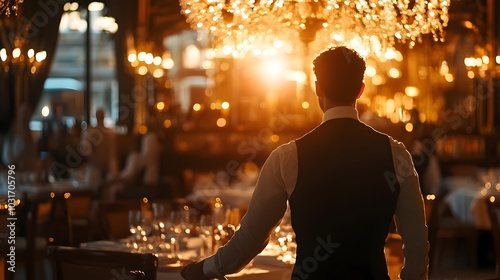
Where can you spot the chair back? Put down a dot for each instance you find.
(71, 263)
(114, 217)
(77, 206)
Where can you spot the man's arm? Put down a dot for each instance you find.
(410, 216)
(267, 207)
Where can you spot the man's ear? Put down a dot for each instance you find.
(361, 90)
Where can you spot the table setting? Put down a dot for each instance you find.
(467, 196)
(180, 236)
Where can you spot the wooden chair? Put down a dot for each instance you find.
(77, 206)
(70, 263)
(444, 227)
(493, 204)
(114, 216)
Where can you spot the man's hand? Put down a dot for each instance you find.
(194, 271)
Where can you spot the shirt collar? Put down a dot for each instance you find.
(339, 112)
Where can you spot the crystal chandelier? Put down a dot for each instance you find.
(372, 27)
(10, 6)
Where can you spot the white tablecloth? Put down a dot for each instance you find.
(467, 201)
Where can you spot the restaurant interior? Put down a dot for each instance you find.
(132, 133)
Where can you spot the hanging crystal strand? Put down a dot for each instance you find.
(14, 9)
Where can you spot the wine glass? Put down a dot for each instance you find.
(174, 230)
(134, 220)
(159, 220)
(205, 232)
(145, 229)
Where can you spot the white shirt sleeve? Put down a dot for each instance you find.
(410, 216)
(265, 211)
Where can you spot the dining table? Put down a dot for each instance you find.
(268, 265)
(467, 199)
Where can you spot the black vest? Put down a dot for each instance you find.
(343, 202)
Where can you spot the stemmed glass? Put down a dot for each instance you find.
(159, 220)
(174, 229)
(205, 232)
(145, 228)
(134, 220)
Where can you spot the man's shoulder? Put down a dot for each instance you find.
(285, 148)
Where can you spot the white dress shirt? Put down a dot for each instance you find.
(276, 184)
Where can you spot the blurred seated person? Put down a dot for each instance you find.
(54, 140)
(19, 147)
(144, 165)
(99, 146)
(141, 174)
(422, 150)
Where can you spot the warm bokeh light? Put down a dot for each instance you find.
(41, 56)
(149, 58)
(143, 129)
(377, 80)
(492, 198)
(3, 54)
(196, 106)
(409, 127)
(225, 105)
(411, 91)
(141, 56)
(486, 59)
(275, 138)
(158, 73)
(167, 63)
(444, 69)
(394, 73)
(390, 54)
(132, 57)
(160, 105)
(449, 77)
(167, 123)
(96, 6)
(157, 60)
(16, 53)
(31, 53)
(471, 74)
(305, 105)
(370, 71)
(143, 70)
(207, 64)
(221, 122)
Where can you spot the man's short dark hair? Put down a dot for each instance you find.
(340, 73)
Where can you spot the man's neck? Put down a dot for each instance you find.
(330, 105)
